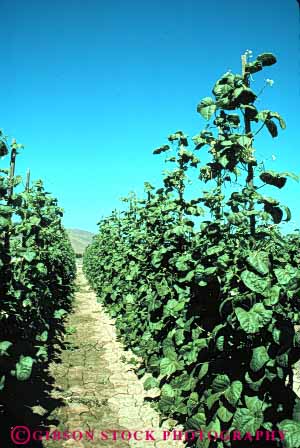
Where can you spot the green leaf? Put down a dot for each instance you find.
(169, 366)
(259, 358)
(214, 426)
(244, 95)
(253, 67)
(203, 370)
(255, 319)
(254, 282)
(223, 161)
(283, 360)
(167, 390)
(4, 222)
(24, 368)
(3, 149)
(289, 277)
(291, 430)
(161, 149)
(179, 337)
(193, 401)
(287, 212)
(184, 382)
(246, 421)
(41, 268)
(279, 118)
(275, 212)
(29, 255)
(272, 128)
(244, 141)
(291, 175)
(272, 178)
(266, 59)
(254, 404)
(254, 385)
(42, 337)
(42, 352)
(211, 400)
(233, 393)
(168, 348)
(196, 421)
(220, 383)
(272, 296)
(260, 262)
(162, 288)
(59, 313)
(4, 346)
(206, 107)
(224, 414)
(174, 306)
(220, 343)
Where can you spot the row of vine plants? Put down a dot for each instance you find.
(37, 271)
(203, 282)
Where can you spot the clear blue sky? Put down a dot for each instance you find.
(92, 87)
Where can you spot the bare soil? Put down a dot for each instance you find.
(96, 382)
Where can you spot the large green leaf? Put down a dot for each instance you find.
(150, 383)
(168, 390)
(255, 319)
(254, 385)
(266, 59)
(220, 383)
(291, 430)
(206, 107)
(272, 178)
(259, 358)
(169, 366)
(197, 421)
(254, 404)
(212, 399)
(247, 421)
(23, 368)
(224, 414)
(233, 393)
(255, 283)
(260, 262)
(272, 296)
(288, 276)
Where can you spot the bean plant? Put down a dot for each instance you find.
(37, 270)
(205, 286)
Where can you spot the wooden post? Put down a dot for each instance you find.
(10, 189)
(244, 62)
(27, 187)
(250, 174)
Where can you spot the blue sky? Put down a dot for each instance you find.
(92, 87)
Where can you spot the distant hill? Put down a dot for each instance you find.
(80, 239)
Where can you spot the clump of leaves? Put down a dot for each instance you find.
(206, 289)
(37, 269)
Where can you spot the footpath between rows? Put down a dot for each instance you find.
(95, 381)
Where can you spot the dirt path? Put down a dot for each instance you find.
(98, 386)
